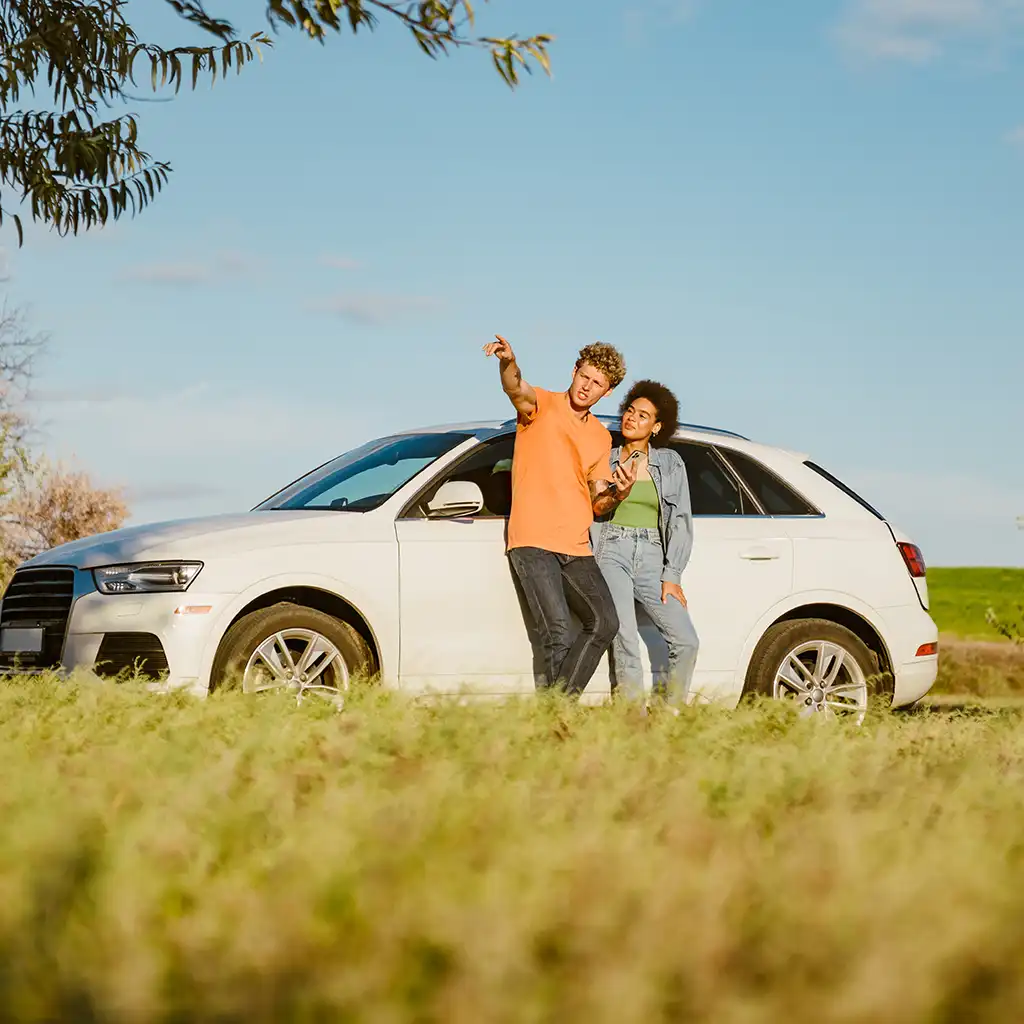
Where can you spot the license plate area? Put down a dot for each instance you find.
(21, 640)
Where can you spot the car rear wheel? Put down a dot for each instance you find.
(292, 648)
(820, 666)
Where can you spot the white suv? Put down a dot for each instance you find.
(389, 561)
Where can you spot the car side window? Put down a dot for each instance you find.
(489, 467)
(776, 497)
(714, 491)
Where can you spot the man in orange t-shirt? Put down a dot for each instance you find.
(561, 480)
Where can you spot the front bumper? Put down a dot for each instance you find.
(183, 635)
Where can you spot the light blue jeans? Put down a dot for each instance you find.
(632, 561)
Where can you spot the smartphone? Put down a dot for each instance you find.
(636, 455)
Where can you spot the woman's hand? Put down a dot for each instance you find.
(672, 590)
(624, 477)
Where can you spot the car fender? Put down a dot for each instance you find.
(386, 640)
(792, 601)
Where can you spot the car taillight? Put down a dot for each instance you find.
(927, 650)
(912, 556)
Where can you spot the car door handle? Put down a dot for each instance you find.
(759, 555)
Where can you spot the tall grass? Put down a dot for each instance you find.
(166, 860)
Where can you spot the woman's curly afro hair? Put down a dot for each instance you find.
(663, 401)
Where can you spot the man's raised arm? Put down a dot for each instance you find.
(520, 394)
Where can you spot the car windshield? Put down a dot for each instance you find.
(363, 479)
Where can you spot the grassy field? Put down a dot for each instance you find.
(960, 599)
(167, 860)
(975, 660)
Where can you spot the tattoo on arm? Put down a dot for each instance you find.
(603, 496)
(520, 393)
(511, 379)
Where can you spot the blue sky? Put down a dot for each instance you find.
(805, 217)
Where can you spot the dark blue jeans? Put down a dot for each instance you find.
(554, 586)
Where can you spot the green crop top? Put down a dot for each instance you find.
(640, 509)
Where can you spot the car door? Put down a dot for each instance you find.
(741, 565)
(462, 623)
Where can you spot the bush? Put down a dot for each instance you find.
(41, 505)
(51, 505)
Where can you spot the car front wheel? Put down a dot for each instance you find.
(289, 647)
(820, 666)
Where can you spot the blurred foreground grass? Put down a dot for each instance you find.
(166, 859)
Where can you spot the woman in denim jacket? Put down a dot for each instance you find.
(643, 547)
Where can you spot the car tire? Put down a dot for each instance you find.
(298, 627)
(793, 657)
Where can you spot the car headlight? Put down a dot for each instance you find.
(146, 577)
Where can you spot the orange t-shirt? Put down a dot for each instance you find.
(556, 456)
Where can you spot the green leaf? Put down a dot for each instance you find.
(76, 167)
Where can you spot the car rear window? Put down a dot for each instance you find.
(714, 491)
(848, 491)
(776, 498)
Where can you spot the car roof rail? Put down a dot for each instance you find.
(610, 421)
(613, 421)
(714, 430)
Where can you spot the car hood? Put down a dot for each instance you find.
(204, 537)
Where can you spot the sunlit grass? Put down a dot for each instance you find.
(961, 599)
(171, 859)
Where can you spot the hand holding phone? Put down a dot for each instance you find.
(623, 478)
(613, 487)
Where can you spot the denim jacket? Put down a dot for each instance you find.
(675, 520)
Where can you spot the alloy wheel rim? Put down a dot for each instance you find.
(823, 678)
(301, 660)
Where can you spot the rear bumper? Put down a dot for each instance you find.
(914, 680)
(906, 629)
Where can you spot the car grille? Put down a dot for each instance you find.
(39, 597)
(130, 653)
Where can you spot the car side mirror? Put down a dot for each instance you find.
(455, 498)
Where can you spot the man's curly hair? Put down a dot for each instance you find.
(665, 403)
(605, 358)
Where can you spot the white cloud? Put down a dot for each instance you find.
(1015, 136)
(376, 310)
(226, 265)
(340, 262)
(643, 17)
(176, 274)
(84, 396)
(918, 31)
(170, 492)
(206, 448)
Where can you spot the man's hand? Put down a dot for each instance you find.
(672, 590)
(520, 394)
(500, 348)
(605, 497)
